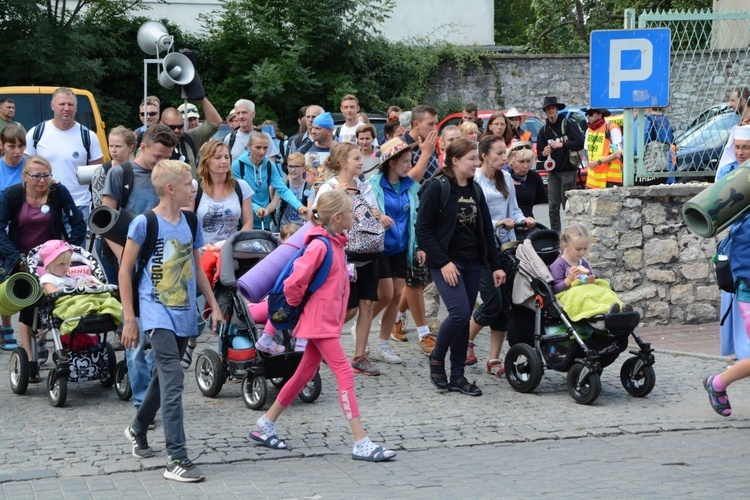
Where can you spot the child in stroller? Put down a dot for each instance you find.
(543, 335)
(77, 307)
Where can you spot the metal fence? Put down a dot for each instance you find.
(709, 60)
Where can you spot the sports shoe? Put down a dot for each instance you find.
(398, 333)
(362, 365)
(471, 358)
(182, 469)
(434, 326)
(385, 353)
(141, 449)
(427, 344)
(7, 341)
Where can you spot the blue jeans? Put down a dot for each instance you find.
(140, 365)
(459, 300)
(165, 391)
(109, 270)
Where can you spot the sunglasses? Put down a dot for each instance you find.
(519, 147)
(177, 127)
(152, 113)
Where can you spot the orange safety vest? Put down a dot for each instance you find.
(598, 145)
(526, 136)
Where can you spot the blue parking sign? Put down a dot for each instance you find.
(630, 68)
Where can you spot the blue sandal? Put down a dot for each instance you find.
(713, 398)
(379, 454)
(272, 442)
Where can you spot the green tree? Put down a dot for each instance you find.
(512, 19)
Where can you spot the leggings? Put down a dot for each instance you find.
(333, 353)
(454, 332)
(259, 313)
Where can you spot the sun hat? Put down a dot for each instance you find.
(392, 148)
(514, 113)
(192, 110)
(552, 101)
(51, 249)
(324, 120)
(602, 111)
(742, 132)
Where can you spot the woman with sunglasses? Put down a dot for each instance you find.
(500, 194)
(32, 212)
(527, 182)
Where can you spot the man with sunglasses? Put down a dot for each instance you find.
(190, 141)
(152, 113)
(604, 148)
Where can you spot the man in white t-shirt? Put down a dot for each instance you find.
(62, 145)
(349, 108)
(244, 110)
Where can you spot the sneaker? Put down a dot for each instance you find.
(385, 353)
(464, 386)
(362, 365)
(614, 309)
(471, 358)
(434, 326)
(427, 344)
(183, 470)
(266, 344)
(7, 340)
(141, 449)
(627, 308)
(398, 333)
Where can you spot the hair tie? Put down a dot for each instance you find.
(315, 213)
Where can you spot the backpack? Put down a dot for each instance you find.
(445, 190)
(282, 315)
(152, 232)
(367, 235)
(659, 139)
(242, 172)
(85, 138)
(237, 191)
(576, 157)
(127, 186)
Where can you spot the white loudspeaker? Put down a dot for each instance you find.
(153, 37)
(178, 70)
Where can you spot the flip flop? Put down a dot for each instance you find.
(272, 442)
(713, 398)
(379, 454)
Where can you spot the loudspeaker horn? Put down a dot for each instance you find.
(153, 37)
(178, 70)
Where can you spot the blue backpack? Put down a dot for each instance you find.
(284, 316)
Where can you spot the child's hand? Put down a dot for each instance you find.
(130, 336)
(590, 278)
(574, 272)
(386, 221)
(216, 318)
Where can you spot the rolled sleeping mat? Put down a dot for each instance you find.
(720, 204)
(85, 173)
(257, 282)
(19, 291)
(111, 224)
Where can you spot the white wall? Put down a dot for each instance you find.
(437, 20)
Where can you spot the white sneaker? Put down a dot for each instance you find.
(385, 353)
(354, 340)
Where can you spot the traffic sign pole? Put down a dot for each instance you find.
(628, 161)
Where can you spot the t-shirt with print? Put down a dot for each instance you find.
(432, 165)
(463, 248)
(142, 196)
(315, 158)
(166, 292)
(65, 152)
(219, 218)
(290, 215)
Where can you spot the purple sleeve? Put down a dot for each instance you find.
(559, 270)
(586, 264)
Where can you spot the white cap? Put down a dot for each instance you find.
(742, 133)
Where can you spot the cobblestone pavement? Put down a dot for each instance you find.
(519, 444)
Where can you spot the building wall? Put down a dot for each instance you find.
(435, 20)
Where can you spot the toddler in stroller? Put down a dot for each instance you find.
(77, 307)
(544, 336)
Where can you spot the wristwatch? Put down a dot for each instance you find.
(598, 162)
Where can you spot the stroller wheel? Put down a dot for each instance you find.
(311, 391)
(278, 382)
(209, 373)
(122, 381)
(584, 391)
(111, 366)
(638, 382)
(254, 391)
(57, 388)
(523, 368)
(19, 370)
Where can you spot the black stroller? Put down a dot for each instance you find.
(582, 349)
(239, 253)
(77, 356)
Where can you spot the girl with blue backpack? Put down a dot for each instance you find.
(321, 322)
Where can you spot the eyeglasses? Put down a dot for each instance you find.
(152, 113)
(176, 127)
(295, 166)
(39, 177)
(741, 148)
(519, 147)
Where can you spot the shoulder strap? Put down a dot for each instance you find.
(199, 195)
(190, 142)
(192, 221)
(38, 131)
(86, 140)
(232, 140)
(152, 231)
(237, 190)
(445, 191)
(306, 147)
(321, 274)
(127, 183)
(269, 166)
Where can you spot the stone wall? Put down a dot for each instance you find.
(645, 250)
(699, 80)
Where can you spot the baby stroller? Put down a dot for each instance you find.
(582, 349)
(239, 253)
(80, 355)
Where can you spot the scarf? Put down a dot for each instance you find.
(597, 124)
(521, 180)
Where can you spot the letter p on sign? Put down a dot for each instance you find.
(630, 68)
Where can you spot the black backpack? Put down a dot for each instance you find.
(152, 232)
(282, 206)
(127, 187)
(269, 166)
(85, 138)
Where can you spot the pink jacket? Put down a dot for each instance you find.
(323, 316)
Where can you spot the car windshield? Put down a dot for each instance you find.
(713, 134)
